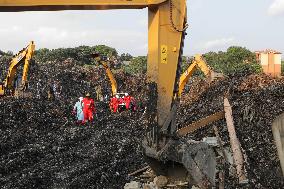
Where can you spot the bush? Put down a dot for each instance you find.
(81, 54)
(138, 65)
(235, 60)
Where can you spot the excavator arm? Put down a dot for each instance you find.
(24, 57)
(110, 75)
(198, 62)
(167, 23)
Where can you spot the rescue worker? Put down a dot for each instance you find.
(133, 104)
(127, 101)
(88, 108)
(78, 110)
(114, 103)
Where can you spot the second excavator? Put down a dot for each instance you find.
(198, 62)
(14, 83)
(119, 101)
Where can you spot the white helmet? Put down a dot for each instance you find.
(116, 96)
(81, 98)
(126, 94)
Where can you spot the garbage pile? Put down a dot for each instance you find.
(42, 147)
(256, 101)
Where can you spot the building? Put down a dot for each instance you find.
(270, 60)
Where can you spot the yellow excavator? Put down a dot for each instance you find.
(166, 151)
(104, 62)
(10, 86)
(198, 62)
(121, 104)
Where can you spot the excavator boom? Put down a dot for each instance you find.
(24, 56)
(110, 75)
(198, 62)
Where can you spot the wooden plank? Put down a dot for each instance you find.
(235, 144)
(200, 123)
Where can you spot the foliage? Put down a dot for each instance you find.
(82, 54)
(235, 60)
(138, 65)
(5, 59)
(125, 57)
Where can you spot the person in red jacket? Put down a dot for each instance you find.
(114, 103)
(88, 108)
(127, 101)
(133, 104)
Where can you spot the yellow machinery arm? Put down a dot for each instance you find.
(167, 23)
(198, 62)
(24, 57)
(110, 75)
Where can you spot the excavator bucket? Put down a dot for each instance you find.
(278, 134)
(185, 161)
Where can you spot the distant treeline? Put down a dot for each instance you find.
(234, 60)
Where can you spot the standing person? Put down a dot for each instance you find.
(38, 89)
(127, 100)
(57, 89)
(133, 105)
(88, 108)
(78, 110)
(114, 103)
(50, 92)
(99, 93)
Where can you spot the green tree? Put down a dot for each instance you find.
(138, 65)
(234, 60)
(125, 57)
(81, 54)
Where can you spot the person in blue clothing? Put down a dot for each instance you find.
(78, 110)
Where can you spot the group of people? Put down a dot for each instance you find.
(117, 102)
(54, 89)
(84, 109)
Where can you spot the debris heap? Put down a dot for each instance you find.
(256, 101)
(42, 147)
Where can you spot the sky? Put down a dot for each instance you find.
(213, 26)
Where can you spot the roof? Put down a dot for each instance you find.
(268, 51)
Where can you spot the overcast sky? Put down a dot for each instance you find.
(214, 25)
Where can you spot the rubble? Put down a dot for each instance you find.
(256, 101)
(41, 147)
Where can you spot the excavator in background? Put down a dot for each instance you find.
(14, 84)
(118, 101)
(198, 62)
